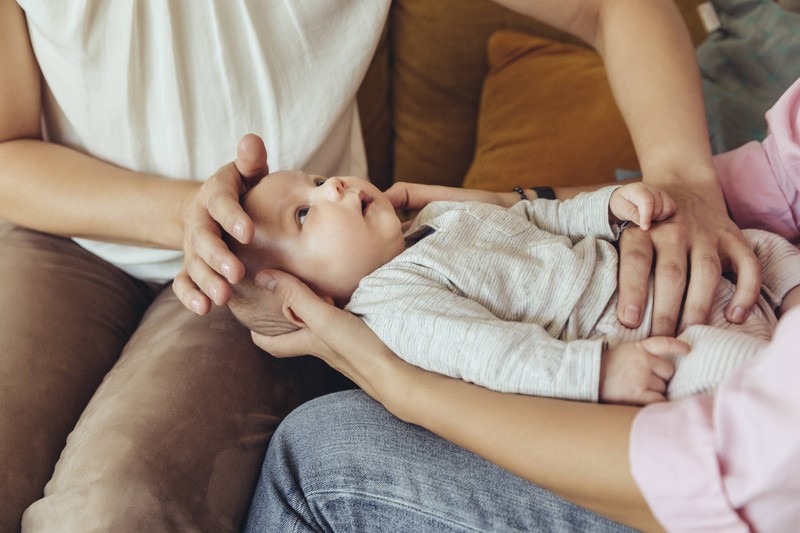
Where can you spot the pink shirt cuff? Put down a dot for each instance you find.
(674, 462)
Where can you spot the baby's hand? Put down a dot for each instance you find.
(635, 373)
(641, 203)
(791, 300)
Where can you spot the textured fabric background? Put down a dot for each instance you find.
(746, 65)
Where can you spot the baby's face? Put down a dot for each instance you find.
(329, 232)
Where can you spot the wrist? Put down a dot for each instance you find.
(534, 193)
(187, 191)
(159, 221)
(394, 386)
(686, 174)
(507, 199)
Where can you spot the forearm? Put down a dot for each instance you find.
(57, 190)
(576, 217)
(415, 196)
(653, 72)
(577, 450)
(654, 75)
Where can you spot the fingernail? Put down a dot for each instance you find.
(266, 281)
(238, 230)
(226, 271)
(632, 314)
(212, 291)
(738, 314)
(196, 305)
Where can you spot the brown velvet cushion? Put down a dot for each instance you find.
(547, 117)
(174, 436)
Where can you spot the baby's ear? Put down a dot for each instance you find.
(292, 317)
(296, 320)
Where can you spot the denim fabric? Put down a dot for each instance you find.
(343, 463)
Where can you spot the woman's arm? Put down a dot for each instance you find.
(653, 73)
(578, 450)
(57, 190)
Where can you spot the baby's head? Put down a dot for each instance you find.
(329, 232)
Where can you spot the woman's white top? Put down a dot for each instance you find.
(170, 86)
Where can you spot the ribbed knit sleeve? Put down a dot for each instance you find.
(585, 215)
(439, 330)
(780, 263)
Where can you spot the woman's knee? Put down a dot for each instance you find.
(307, 455)
(324, 426)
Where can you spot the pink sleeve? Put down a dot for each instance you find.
(761, 181)
(729, 462)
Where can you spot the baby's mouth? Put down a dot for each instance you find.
(365, 202)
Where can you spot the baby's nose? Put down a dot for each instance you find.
(335, 187)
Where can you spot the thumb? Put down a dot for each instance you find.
(397, 194)
(303, 305)
(642, 205)
(668, 206)
(289, 344)
(664, 346)
(251, 158)
(645, 215)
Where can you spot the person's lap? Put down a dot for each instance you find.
(173, 437)
(64, 318)
(344, 463)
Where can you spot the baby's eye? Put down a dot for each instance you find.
(301, 215)
(319, 181)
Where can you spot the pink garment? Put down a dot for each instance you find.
(729, 462)
(761, 180)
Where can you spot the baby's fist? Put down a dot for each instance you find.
(635, 373)
(641, 203)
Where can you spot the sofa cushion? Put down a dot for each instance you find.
(547, 117)
(437, 65)
(374, 107)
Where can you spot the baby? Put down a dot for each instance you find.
(518, 299)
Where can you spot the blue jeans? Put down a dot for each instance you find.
(344, 463)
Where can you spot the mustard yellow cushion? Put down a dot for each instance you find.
(438, 63)
(547, 117)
